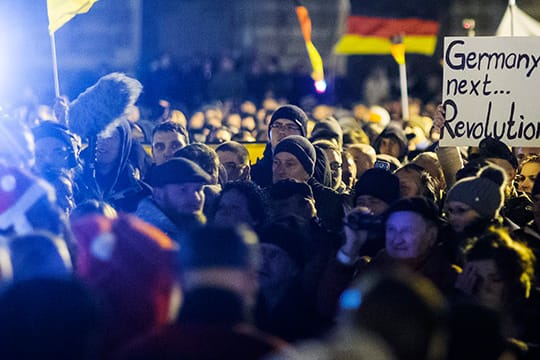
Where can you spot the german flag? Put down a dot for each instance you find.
(372, 23)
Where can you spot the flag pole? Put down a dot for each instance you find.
(55, 66)
(511, 5)
(404, 91)
(398, 53)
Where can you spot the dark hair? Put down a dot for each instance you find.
(171, 126)
(256, 199)
(514, 261)
(237, 148)
(201, 154)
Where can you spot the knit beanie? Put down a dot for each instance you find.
(378, 183)
(484, 193)
(328, 129)
(293, 113)
(301, 148)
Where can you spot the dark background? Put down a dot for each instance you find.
(193, 35)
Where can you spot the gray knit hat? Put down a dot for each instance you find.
(301, 148)
(483, 193)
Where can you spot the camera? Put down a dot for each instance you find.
(360, 220)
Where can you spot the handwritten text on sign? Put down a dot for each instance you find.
(491, 87)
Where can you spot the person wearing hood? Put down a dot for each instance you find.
(328, 129)
(392, 141)
(109, 176)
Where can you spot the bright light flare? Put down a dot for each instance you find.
(320, 86)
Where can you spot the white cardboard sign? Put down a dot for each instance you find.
(491, 87)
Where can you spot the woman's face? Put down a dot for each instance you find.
(489, 286)
(409, 183)
(460, 215)
(528, 173)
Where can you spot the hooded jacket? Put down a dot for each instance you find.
(395, 132)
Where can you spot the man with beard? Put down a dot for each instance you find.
(177, 199)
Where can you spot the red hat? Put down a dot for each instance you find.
(130, 264)
(19, 192)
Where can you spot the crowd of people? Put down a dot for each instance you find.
(352, 236)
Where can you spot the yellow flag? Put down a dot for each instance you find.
(61, 11)
(314, 56)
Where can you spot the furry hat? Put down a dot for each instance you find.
(102, 103)
(484, 193)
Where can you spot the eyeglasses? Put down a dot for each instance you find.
(287, 127)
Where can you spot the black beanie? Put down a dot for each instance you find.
(301, 148)
(293, 113)
(493, 148)
(378, 183)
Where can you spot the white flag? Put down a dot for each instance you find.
(524, 25)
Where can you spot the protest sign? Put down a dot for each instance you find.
(491, 87)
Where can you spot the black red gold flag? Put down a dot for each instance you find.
(371, 25)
